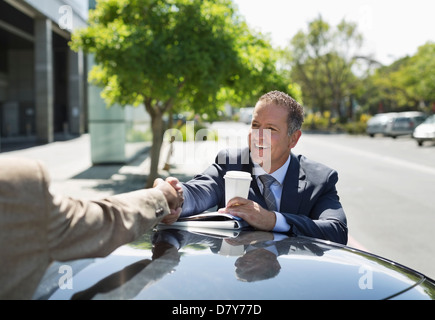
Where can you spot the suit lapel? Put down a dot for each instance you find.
(294, 184)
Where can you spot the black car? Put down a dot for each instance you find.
(207, 264)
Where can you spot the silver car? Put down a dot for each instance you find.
(378, 123)
(404, 123)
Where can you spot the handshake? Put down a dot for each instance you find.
(238, 204)
(173, 193)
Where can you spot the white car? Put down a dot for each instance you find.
(425, 131)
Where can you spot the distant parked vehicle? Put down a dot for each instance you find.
(425, 131)
(377, 124)
(404, 123)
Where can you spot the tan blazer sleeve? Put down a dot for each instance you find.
(37, 227)
(80, 229)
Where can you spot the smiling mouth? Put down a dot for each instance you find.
(261, 146)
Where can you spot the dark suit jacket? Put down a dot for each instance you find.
(309, 201)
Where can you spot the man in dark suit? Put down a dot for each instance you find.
(302, 198)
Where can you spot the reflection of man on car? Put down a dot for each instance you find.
(260, 260)
(257, 264)
(257, 252)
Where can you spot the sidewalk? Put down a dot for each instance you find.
(72, 173)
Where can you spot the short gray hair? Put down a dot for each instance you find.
(295, 110)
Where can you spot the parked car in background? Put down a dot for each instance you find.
(425, 131)
(404, 123)
(378, 123)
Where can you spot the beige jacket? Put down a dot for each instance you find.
(37, 228)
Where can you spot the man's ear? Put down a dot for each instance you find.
(294, 138)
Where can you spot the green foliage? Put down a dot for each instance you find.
(404, 84)
(196, 54)
(355, 127)
(326, 123)
(417, 75)
(209, 136)
(321, 60)
(315, 121)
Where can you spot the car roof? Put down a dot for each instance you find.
(411, 114)
(177, 264)
(387, 114)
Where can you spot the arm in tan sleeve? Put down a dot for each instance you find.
(80, 229)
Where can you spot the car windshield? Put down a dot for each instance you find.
(431, 119)
(379, 118)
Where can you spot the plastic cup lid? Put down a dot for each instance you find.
(238, 175)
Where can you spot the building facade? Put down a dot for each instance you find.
(43, 87)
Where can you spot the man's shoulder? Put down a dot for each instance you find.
(235, 155)
(21, 168)
(309, 165)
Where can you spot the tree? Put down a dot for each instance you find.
(406, 84)
(383, 91)
(174, 55)
(322, 62)
(417, 76)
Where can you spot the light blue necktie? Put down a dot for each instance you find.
(267, 181)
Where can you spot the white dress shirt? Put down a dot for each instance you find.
(281, 224)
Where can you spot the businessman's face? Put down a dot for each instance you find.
(269, 141)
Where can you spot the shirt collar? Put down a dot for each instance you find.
(279, 174)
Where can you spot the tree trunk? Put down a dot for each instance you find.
(157, 127)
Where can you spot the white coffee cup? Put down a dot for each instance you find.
(237, 184)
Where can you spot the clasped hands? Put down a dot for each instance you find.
(173, 192)
(250, 211)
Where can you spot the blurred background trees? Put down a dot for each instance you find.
(342, 88)
(322, 61)
(406, 84)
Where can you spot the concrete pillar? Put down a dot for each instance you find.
(76, 93)
(44, 93)
(106, 127)
(11, 118)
